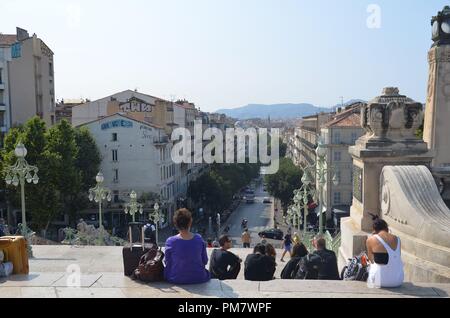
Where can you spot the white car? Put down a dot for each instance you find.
(267, 200)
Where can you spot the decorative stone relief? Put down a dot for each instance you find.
(357, 183)
(392, 116)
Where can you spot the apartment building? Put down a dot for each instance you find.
(338, 135)
(27, 80)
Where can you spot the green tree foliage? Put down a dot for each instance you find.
(68, 161)
(214, 190)
(282, 184)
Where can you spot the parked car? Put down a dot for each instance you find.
(267, 200)
(273, 234)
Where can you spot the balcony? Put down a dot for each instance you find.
(2, 86)
(2, 107)
(161, 141)
(308, 144)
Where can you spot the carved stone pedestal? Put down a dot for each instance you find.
(390, 122)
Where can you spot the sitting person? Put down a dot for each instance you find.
(149, 232)
(6, 268)
(296, 238)
(2, 228)
(259, 267)
(290, 270)
(270, 250)
(224, 264)
(384, 252)
(321, 264)
(185, 253)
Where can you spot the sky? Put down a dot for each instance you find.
(230, 53)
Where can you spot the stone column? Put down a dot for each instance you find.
(390, 121)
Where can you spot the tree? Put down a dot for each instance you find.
(61, 142)
(41, 200)
(68, 160)
(282, 184)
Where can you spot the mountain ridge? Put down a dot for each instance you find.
(278, 111)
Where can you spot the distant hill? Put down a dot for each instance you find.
(279, 111)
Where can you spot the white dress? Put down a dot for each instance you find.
(390, 275)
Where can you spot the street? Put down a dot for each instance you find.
(259, 216)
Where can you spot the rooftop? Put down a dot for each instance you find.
(7, 39)
(102, 276)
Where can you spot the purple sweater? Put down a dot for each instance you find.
(186, 261)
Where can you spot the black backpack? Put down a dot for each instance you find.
(309, 266)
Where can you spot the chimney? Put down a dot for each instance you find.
(21, 34)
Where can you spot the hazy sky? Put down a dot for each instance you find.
(229, 53)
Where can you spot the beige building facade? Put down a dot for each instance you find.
(338, 135)
(27, 80)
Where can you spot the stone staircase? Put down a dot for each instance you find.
(86, 272)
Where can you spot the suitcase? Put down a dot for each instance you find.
(132, 254)
(15, 250)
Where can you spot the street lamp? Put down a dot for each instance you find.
(98, 194)
(133, 207)
(157, 217)
(321, 171)
(218, 224)
(19, 173)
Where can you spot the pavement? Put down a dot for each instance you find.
(97, 272)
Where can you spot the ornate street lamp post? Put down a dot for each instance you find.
(321, 171)
(133, 207)
(98, 194)
(157, 217)
(20, 173)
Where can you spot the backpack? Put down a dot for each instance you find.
(357, 269)
(308, 267)
(151, 267)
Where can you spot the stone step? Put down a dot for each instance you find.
(115, 285)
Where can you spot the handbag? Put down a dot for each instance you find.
(151, 267)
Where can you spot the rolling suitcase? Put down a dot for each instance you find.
(15, 250)
(133, 253)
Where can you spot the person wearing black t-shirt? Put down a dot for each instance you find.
(260, 267)
(224, 264)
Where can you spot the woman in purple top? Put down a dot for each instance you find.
(185, 253)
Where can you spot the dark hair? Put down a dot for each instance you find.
(270, 250)
(260, 248)
(379, 224)
(223, 240)
(182, 219)
(299, 250)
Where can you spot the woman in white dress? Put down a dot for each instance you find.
(384, 252)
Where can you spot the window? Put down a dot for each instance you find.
(338, 176)
(116, 175)
(50, 69)
(337, 198)
(115, 156)
(337, 156)
(337, 138)
(116, 196)
(354, 138)
(1, 78)
(114, 137)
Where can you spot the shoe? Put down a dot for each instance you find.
(282, 260)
